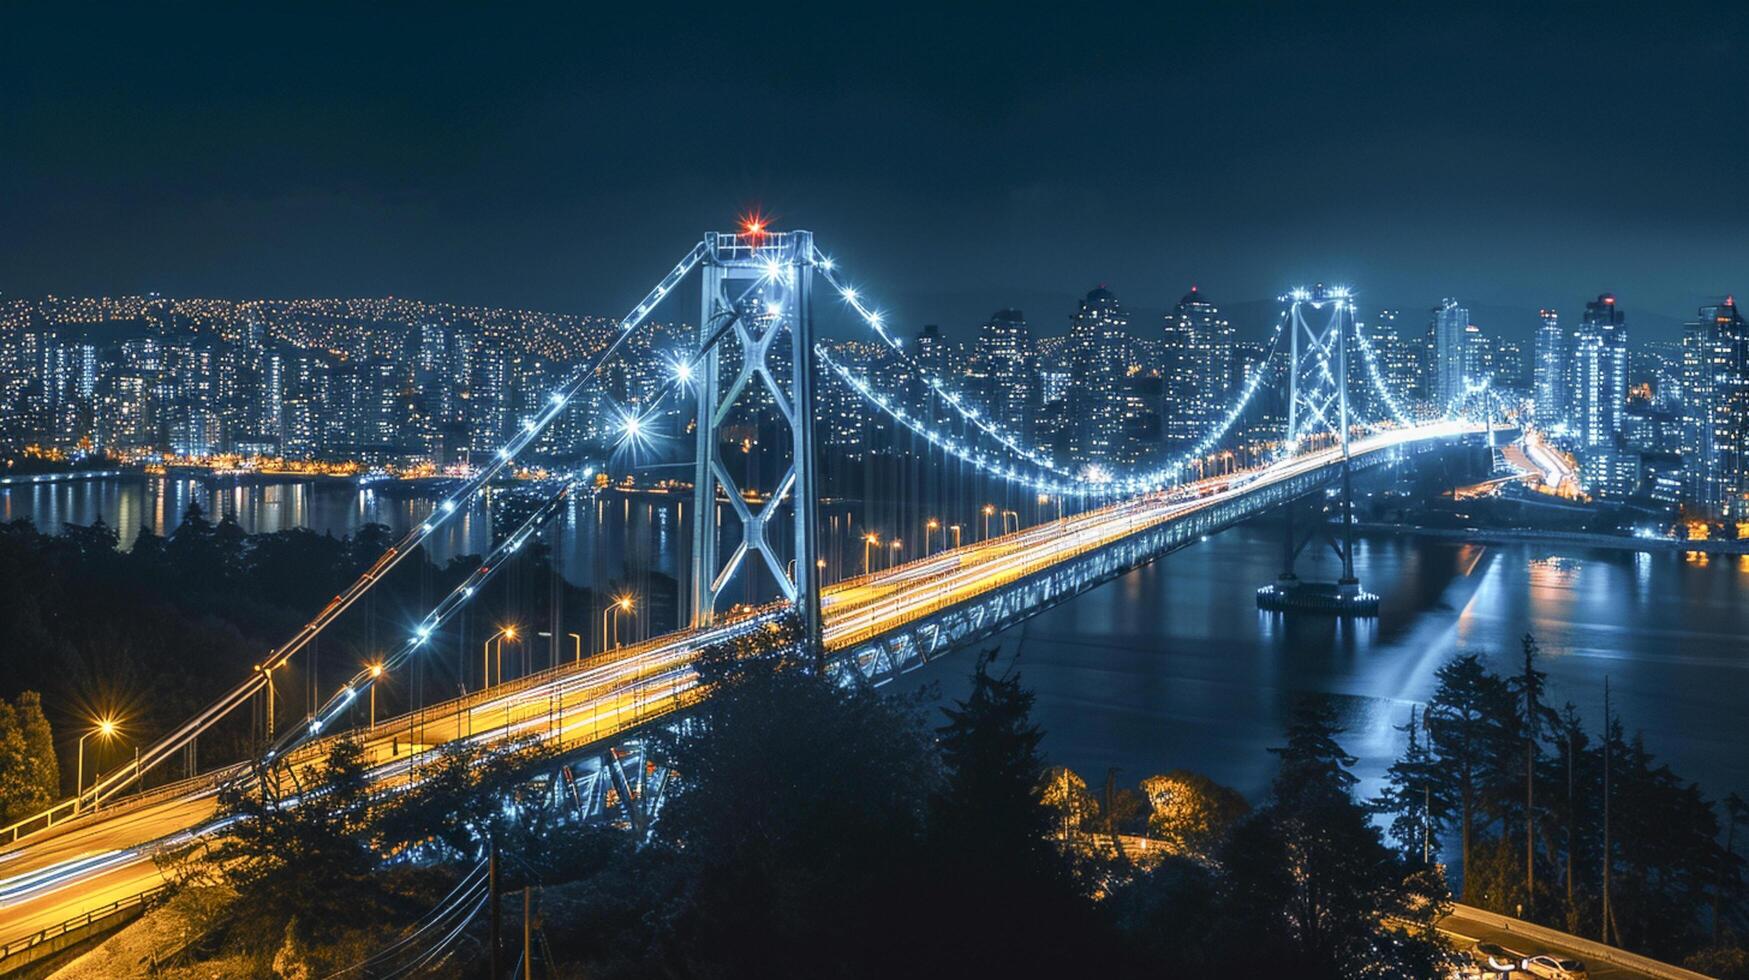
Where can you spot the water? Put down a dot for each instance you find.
(1173, 666)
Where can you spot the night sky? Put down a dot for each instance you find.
(954, 162)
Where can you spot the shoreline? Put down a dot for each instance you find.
(1618, 542)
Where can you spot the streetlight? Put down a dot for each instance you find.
(989, 512)
(1007, 514)
(898, 549)
(105, 727)
(955, 528)
(505, 633)
(624, 603)
(376, 671)
(929, 528)
(868, 541)
(576, 640)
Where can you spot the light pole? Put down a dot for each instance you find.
(507, 632)
(929, 530)
(989, 512)
(577, 641)
(868, 541)
(106, 728)
(1006, 515)
(376, 672)
(898, 550)
(625, 603)
(1044, 500)
(268, 673)
(955, 528)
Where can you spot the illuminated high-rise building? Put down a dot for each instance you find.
(1447, 352)
(1715, 429)
(1598, 385)
(1549, 374)
(1098, 365)
(1005, 363)
(1196, 368)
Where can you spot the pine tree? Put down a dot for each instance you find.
(1409, 797)
(990, 753)
(1534, 718)
(1464, 723)
(1310, 877)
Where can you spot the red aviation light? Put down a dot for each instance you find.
(755, 226)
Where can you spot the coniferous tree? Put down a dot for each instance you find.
(993, 859)
(1466, 724)
(1409, 795)
(1534, 718)
(1310, 882)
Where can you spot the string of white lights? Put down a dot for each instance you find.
(962, 405)
(1092, 481)
(947, 443)
(1370, 358)
(1164, 475)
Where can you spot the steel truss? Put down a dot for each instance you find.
(776, 270)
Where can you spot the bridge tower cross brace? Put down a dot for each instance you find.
(1317, 402)
(756, 284)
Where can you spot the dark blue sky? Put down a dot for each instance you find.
(957, 161)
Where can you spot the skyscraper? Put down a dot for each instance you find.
(1599, 382)
(1478, 359)
(1197, 368)
(1097, 368)
(1550, 371)
(1447, 349)
(1004, 359)
(1399, 361)
(1715, 430)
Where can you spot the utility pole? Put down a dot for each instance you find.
(527, 932)
(1426, 824)
(1606, 855)
(492, 899)
(1569, 819)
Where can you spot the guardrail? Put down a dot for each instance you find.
(19, 953)
(1578, 944)
(171, 790)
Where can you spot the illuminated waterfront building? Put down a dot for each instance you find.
(1715, 429)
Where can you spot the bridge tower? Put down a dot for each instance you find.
(757, 289)
(1320, 325)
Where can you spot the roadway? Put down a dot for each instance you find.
(1466, 932)
(90, 861)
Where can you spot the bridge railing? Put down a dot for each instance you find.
(21, 947)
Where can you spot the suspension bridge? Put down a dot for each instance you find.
(65, 869)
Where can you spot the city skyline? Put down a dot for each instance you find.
(1160, 153)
